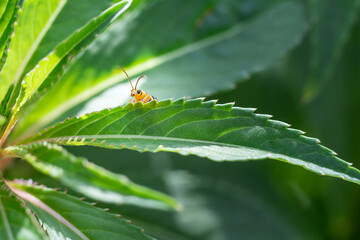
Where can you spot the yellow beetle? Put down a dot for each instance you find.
(138, 94)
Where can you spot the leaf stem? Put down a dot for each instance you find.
(8, 129)
(5, 157)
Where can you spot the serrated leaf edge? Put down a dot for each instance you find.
(81, 139)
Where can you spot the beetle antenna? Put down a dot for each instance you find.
(128, 77)
(138, 80)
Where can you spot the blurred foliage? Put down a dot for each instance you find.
(315, 87)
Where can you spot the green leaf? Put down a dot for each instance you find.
(74, 15)
(2, 120)
(251, 45)
(90, 179)
(54, 27)
(51, 64)
(219, 132)
(67, 217)
(16, 221)
(8, 12)
(37, 76)
(34, 21)
(332, 24)
(3, 6)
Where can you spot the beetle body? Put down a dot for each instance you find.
(142, 96)
(139, 95)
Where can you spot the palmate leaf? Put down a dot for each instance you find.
(66, 217)
(219, 132)
(190, 62)
(16, 221)
(89, 179)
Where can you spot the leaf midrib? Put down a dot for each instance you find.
(38, 203)
(117, 136)
(61, 140)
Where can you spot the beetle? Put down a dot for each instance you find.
(138, 94)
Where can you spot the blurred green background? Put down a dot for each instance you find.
(314, 86)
